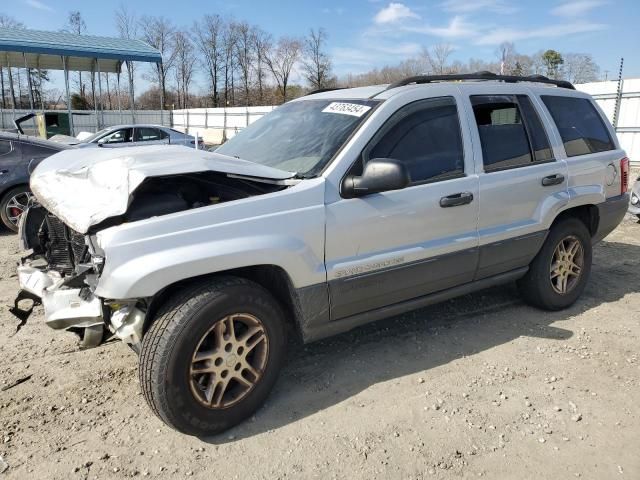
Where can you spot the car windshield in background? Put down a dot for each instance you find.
(301, 136)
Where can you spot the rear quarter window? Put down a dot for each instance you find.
(580, 125)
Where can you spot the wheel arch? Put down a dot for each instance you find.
(588, 214)
(272, 278)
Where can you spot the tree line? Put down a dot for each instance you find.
(244, 65)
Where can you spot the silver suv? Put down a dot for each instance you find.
(337, 209)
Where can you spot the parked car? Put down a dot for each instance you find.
(131, 135)
(335, 210)
(634, 204)
(18, 155)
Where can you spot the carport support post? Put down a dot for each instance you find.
(161, 99)
(131, 98)
(66, 87)
(101, 124)
(24, 56)
(93, 93)
(118, 70)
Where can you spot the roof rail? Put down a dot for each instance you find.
(480, 76)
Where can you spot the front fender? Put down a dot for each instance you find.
(285, 229)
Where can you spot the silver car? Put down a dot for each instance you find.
(634, 203)
(334, 210)
(132, 135)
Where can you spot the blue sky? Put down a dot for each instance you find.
(368, 33)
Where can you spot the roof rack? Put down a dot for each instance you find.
(480, 76)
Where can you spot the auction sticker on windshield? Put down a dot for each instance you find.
(347, 109)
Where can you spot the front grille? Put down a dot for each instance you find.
(66, 247)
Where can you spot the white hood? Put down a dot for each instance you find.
(84, 187)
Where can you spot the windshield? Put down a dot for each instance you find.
(95, 135)
(300, 136)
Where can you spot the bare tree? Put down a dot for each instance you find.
(506, 54)
(244, 55)
(281, 61)
(580, 68)
(229, 48)
(8, 22)
(184, 65)
(438, 56)
(209, 32)
(261, 46)
(317, 64)
(159, 33)
(127, 25)
(77, 25)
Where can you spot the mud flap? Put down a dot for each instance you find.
(19, 313)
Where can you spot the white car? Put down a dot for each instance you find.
(131, 135)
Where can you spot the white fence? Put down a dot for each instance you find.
(86, 121)
(627, 123)
(217, 124)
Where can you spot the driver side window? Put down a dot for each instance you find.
(425, 135)
(119, 136)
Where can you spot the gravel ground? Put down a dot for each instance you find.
(481, 386)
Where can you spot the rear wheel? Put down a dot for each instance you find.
(13, 204)
(212, 355)
(559, 273)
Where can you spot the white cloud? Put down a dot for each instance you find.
(39, 5)
(393, 13)
(499, 35)
(367, 56)
(458, 27)
(469, 6)
(576, 8)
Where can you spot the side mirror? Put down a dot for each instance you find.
(380, 175)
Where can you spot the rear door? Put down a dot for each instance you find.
(521, 181)
(149, 136)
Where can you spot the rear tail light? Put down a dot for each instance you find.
(624, 175)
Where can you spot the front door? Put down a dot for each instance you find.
(394, 246)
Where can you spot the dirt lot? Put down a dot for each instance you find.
(479, 386)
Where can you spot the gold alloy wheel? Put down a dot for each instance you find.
(229, 361)
(566, 265)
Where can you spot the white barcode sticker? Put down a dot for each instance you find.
(353, 109)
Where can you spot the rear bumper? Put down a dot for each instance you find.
(611, 212)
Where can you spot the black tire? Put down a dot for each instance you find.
(536, 286)
(4, 217)
(177, 332)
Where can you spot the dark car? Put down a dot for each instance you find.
(19, 155)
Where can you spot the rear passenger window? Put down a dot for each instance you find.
(425, 135)
(581, 127)
(511, 133)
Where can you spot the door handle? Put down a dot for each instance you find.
(456, 199)
(556, 179)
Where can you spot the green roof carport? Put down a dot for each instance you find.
(22, 48)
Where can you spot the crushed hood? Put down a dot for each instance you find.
(84, 187)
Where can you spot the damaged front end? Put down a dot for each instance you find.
(81, 197)
(61, 273)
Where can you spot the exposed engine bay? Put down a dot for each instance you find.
(65, 265)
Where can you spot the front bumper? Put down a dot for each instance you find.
(64, 308)
(634, 204)
(77, 309)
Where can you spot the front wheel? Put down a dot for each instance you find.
(212, 355)
(559, 273)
